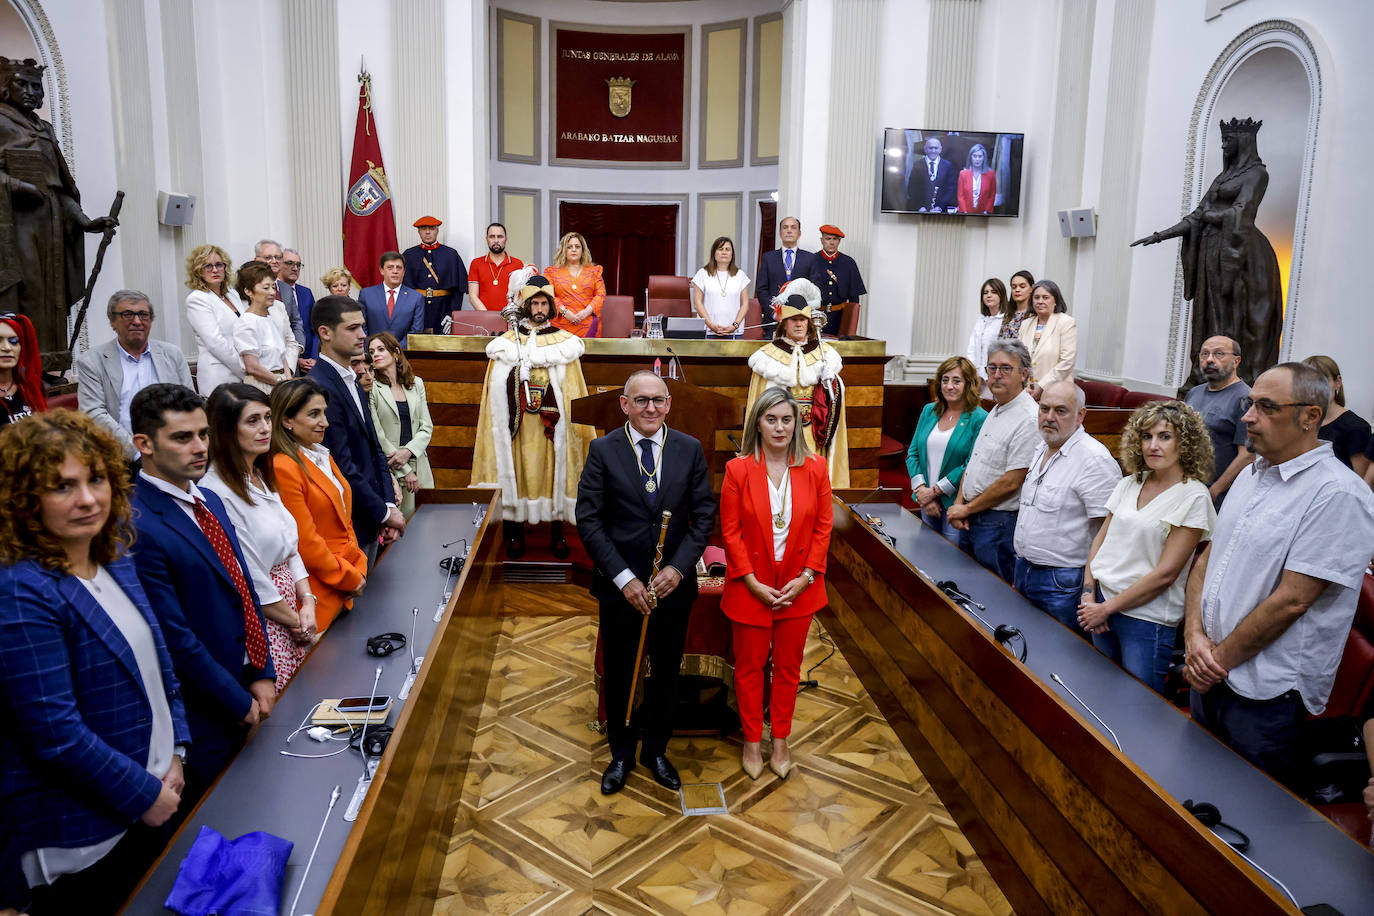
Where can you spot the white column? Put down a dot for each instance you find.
(312, 109)
(419, 183)
(181, 89)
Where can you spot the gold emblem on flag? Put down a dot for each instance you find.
(620, 87)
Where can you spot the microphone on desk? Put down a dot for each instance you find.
(455, 541)
(414, 660)
(682, 370)
(1060, 681)
(731, 437)
(362, 740)
(479, 329)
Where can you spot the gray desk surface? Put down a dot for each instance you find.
(1314, 858)
(288, 797)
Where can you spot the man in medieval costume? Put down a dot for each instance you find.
(526, 443)
(798, 360)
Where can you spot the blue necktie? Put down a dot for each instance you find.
(646, 471)
(787, 261)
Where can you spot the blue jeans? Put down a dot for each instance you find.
(988, 539)
(1056, 590)
(1141, 647)
(940, 523)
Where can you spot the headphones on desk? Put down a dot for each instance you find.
(384, 644)
(1210, 817)
(371, 742)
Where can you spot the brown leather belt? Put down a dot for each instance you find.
(434, 292)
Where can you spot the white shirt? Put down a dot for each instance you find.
(1007, 442)
(1135, 542)
(657, 440)
(977, 186)
(721, 305)
(1311, 515)
(139, 373)
(984, 332)
(350, 380)
(318, 455)
(1060, 498)
(261, 336)
(186, 499)
(780, 502)
(267, 533)
(936, 445)
(46, 865)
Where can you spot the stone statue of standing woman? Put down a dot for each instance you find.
(42, 246)
(1230, 271)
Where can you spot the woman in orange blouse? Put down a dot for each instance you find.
(577, 285)
(775, 520)
(318, 496)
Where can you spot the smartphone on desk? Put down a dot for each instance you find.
(359, 704)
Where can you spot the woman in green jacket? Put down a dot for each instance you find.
(944, 439)
(401, 415)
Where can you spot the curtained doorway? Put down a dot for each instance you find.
(629, 241)
(768, 221)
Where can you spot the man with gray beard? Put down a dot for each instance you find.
(1219, 402)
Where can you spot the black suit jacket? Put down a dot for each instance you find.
(352, 441)
(773, 274)
(618, 523)
(921, 192)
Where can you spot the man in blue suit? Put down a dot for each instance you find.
(351, 437)
(391, 305)
(299, 299)
(193, 571)
(779, 266)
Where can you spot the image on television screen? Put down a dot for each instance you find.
(951, 172)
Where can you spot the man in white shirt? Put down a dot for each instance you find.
(110, 374)
(1063, 502)
(1270, 602)
(984, 512)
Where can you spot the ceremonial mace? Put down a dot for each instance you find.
(105, 240)
(653, 602)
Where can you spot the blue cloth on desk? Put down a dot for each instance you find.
(242, 877)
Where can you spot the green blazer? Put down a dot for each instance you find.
(956, 453)
(388, 422)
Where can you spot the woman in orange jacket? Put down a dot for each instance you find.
(318, 496)
(775, 518)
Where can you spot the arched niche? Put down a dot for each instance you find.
(26, 33)
(1270, 73)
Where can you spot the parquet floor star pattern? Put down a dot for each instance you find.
(854, 830)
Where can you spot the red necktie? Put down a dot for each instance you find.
(390, 302)
(252, 626)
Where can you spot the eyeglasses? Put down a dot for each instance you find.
(1268, 407)
(218, 265)
(1219, 354)
(134, 316)
(999, 370)
(292, 264)
(642, 402)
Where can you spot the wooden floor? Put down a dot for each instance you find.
(854, 829)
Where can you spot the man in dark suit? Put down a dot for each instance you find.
(299, 299)
(933, 182)
(197, 582)
(391, 305)
(351, 437)
(779, 266)
(631, 476)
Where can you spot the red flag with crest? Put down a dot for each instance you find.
(369, 225)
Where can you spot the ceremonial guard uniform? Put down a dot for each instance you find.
(810, 369)
(438, 274)
(837, 277)
(526, 443)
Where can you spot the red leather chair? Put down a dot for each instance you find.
(1101, 394)
(1133, 399)
(669, 296)
(753, 317)
(1354, 684)
(617, 316)
(1338, 770)
(68, 400)
(472, 322)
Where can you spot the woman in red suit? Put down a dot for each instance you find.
(979, 196)
(775, 517)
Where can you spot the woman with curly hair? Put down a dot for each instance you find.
(578, 286)
(1133, 590)
(96, 727)
(338, 281)
(213, 308)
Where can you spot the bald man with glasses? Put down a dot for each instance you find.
(109, 375)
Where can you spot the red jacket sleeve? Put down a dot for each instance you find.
(825, 516)
(737, 563)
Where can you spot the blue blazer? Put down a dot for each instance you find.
(956, 452)
(352, 441)
(76, 716)
(305, 301)
(202, 616)
(773, 274)
(408, 316)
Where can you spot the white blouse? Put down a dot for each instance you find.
(780, 501)
(984, 332)
(266, 530)
(720, 294)
(318, 455)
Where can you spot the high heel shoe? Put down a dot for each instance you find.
(755, 770)
(781, 769)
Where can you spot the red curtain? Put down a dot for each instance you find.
(768, 218)
(629, 241)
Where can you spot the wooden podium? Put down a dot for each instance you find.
(696, 411)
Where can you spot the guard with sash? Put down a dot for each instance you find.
(438, 273)
(837, 276)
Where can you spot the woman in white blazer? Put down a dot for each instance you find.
(213, 309)
(1051, 337)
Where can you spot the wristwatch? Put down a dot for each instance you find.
(180, 751)
(810, 576)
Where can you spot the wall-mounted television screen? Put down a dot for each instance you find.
(951, 172)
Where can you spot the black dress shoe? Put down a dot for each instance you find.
(559, 548)
(515, 548)
(663, 772)
(613, 780)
